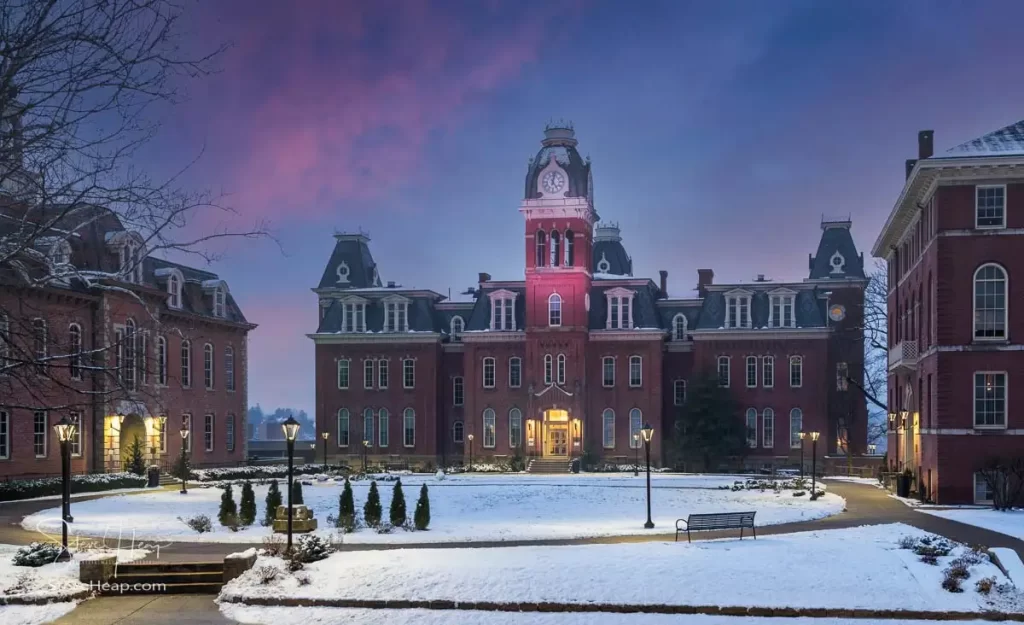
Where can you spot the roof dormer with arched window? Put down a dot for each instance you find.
(217, 291)
(130, 248)
(173, 282)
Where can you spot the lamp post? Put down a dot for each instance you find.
(325, 436)
(366, 446)
(470, 438)
(647, 432)
(65, 429)
(814, 459)
(636, 455)
(903, 424)
(291, 430)
(184, 452)
(802, 436)
(896, 442)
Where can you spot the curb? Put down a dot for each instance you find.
(491, 606)
(81, 595)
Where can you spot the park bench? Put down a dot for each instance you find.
(718, 521)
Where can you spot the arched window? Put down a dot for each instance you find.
(208, 366)
(608, 428)
(515, 428)
(409, 428)
(768, 428)
(679, 327)
(173, 291)
(556, 248)
(344, 426)
(542, 248)
(229, 368)
(219, 302)
(990, 302)
(751, 428)
(457, 326)
(554, 309)
(383, 433)
(489, 433)
(368, 427)
(458, 430)
(561, 369)
(75, 351)
(186, 363)
(548, 370)
(636, 419)
(570, 248)
(796, 425)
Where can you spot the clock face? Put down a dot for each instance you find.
(553, 181)
(837, 312)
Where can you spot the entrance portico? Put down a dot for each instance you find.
(560, 435)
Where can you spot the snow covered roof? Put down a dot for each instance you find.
(1007, 141)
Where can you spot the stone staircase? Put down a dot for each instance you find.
(158, 578)
(166, 479)
(548, 465)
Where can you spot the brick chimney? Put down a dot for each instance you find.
(705, 277)
(925, 144)
(664, 282)
(484, 277)
(910, 166)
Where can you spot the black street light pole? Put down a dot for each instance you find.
(647, 432)
(802, 436)
(291, 430)
(366, 446)
(325, 436)
(65, 432)
(470, 438)
(636, 455)
(896, 443)
(184, 452)
(814, 460)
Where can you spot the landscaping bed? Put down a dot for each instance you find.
(89, 483)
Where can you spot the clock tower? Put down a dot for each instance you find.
(559, 214)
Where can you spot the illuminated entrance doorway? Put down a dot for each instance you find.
(560, 435)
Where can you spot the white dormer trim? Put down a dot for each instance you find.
(787, 300)
(738, 301)
(218, 290)
(837, 263)
(353, 314)
(396, 313)
(343, 272)
(130, 248)
(676, 334)
(456, 333)
(503, 299)
(603, 266)
(175, 281)
(619, 315)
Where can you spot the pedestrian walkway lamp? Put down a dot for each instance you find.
(291, 430)
(470, 438)
(65, 432)
(902, 424)
(325, 436)
(185, 448)
(636, 454)
(647, 432)
(802, 436)
(366, 447)
(814, 459)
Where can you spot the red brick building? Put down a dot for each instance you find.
(127, 344)
(951, 244)
(580, 354)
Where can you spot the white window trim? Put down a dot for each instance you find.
(369, 435)
(553, 299)
(186, 363)
(383, 428)
(635, 443)
(511, 443)
(349, 306)
(794, 441)
(348, 427)
(455, 423)
(209, 372)
(519, 365)
(507, 298)
(175, 281)
(604, 360)
(974, 400)
(161, 361)
(1006, 306)
(607, 412)
(786, 297)
(456, 382)
(560, 366)
(494, 429)
(746, 371)
(494, 372)
(686, 327)
(751, 442)
(740, 296)
(229, 433)
(397, 304)
(408, 364)
(457, 334)
(767, 363)
(1006, 202)
(622, 300)
(46, 433)
(765, 414)
(212, 421)
(549, 369)
(74, 352)
(728, 371)
(675, 395)
(348, 373)
(796, 359)
(405, 427)
(383, 367)
(640, 360)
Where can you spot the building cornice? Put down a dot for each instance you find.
(645, 334)
(776, 334)
(679, 346)
(836, 284)
(493, 336)
(331, 338)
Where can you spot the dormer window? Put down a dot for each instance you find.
(131, 256)
(174, 291)
(737, 310)
(837, 262)
(620, 309)
(220, 302)
(353, 315)
(679, 327)
(503, 310)
(555, 310)
(457, 327)
(781, 312)
(396, 315)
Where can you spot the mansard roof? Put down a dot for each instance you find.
(194, 299)
(1007, 141)
(480, 319)
(351, 265)
(421, 311)
(609, 257)
(644, 313)
(837, 257)
(808, 308)
(560, 144)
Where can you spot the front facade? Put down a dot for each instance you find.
(579, 354)
(951, 242)
(125, 344)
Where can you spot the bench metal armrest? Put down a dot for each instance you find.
(683, 521)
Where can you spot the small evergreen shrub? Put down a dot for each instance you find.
(37, 554)
(199, 523)
(311, 548)
(907, 542)
(372, 509)
(247, 509)
(985, 586)
(297, 493)
(346, 506)
(182, 469)
(421, 517)
(228, 513)
(134, 458)
(397, 510)
(273, 501)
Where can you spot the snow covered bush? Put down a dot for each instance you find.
(397, 511)
(372, 509)
(199, 523)
(985, 586)
(37, 554)
(421, 517)
(89, 483)
(267, 573)
(297, 494)
(247, 510)
(228, 513)
(273, 501)
(311, 548)
(261, 472)
(439, 475)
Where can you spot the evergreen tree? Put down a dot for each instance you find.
(372, 510)
(134, 457)
(247, 510)
(297, 493)
(273, 501)
(346, 504)
(397, 511)
(422, 515)
(182, 470)
(228, 514)
(709, 426)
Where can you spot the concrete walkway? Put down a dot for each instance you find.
(146, 610)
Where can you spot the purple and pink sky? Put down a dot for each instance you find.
(720, 132)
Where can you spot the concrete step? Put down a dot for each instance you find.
(199, 588)
(163, 577)
(549, 465)
(155, 567)
(155, 577)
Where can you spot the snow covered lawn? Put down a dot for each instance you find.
(1010, 523)
(849, 568)
(463, 508)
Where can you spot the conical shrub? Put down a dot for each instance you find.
(372, 510)
(346, 503)
(228, 514)
(247, 509)
(397, 511)
(273, 501)
(297, 494)
(421, 517)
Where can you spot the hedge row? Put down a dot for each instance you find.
(90, 483)
(256, 472)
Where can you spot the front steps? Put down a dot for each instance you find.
(159, 578)
(549, 465)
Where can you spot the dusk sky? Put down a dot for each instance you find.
(720, 133)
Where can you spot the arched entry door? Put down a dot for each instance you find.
(560, 434)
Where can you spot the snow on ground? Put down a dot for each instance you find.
(849, 568)
(74, 496)
(870, 481)
(1010, 523)
(34, 614)
(51, 581)
(341, 616)
(463, 508)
